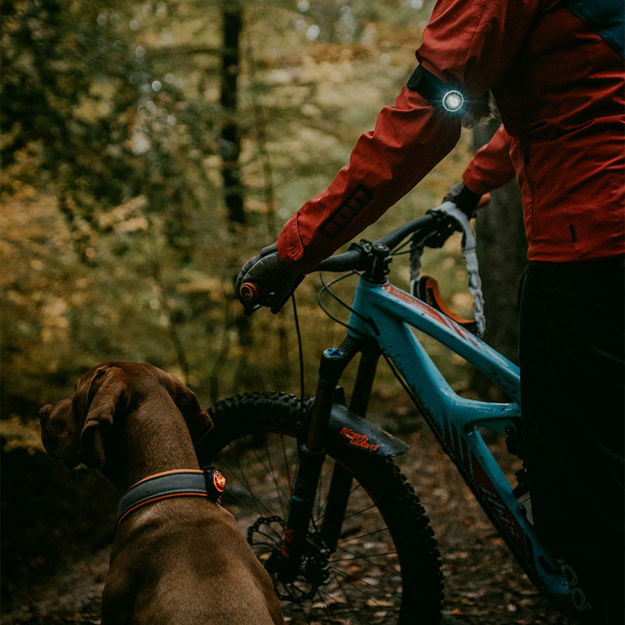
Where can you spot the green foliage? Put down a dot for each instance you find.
(114, 240)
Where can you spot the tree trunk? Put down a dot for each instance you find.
(501, 248)
(230, 141)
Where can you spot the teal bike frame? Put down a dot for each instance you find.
(386, 314)
(383, 319)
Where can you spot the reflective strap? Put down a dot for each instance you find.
(436, 92)
(468, 250)
(185, 483)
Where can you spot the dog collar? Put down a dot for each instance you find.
(207, 482)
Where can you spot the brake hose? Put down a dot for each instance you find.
(450, 210)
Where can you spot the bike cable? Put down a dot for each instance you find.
(326, 289)
(400, 379)
(397, 250)
(302, 396)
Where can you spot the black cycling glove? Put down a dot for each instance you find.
(276, 280)
(463, 198)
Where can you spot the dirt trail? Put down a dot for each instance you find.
(483, 583)
(71, 597)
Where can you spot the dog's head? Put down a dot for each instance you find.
(79, 429)
(60, 433)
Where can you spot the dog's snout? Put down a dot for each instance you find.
(44, 411)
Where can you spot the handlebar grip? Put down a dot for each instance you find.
(250, 292)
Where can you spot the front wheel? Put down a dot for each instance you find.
(385, 567)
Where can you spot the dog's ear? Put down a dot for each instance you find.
(198, 421)
(98, 396)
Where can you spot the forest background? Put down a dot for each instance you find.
(148, 149)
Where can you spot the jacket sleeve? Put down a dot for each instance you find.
(408, 140)
(491, 166)
(467, 43)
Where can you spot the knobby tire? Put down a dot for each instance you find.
(391, 575)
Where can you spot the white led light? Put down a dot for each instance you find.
(453, 101)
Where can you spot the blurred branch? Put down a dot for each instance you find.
(184, 50)
(261, 142)
(30, 250)
(77, 239)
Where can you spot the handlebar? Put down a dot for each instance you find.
(353, 259)
(350, 260)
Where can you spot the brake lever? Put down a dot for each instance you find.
(449, 211)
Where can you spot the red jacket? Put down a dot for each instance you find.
(559, 83)
(491, 167)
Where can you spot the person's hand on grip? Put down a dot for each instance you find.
(465, 199)
(275, 281)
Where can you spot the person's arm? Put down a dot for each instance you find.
(468, 44)
(408, 140)
(491, 167)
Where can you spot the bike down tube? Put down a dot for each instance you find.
(453, 418)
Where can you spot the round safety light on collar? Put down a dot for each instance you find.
(215, 482)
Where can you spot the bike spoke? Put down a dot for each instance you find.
(324, 606)
(269, 470)
(258, 504)
(336, 613)
(325, 502)
(347, 597)
(356, 557)
(360, 556)
(353, 538)
(361, 580)
(364, 580)
(353, 514)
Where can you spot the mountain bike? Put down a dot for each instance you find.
(315, 485)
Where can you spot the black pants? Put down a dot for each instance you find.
(573, 401)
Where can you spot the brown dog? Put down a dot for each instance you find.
(180, 560)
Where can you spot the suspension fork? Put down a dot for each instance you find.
(341, 484)
(311, 457)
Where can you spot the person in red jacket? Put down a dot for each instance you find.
(555, 68)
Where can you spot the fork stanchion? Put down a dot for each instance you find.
(311, 456)
(341, 482)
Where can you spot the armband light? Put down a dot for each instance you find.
(436, 92)
(453, 101)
